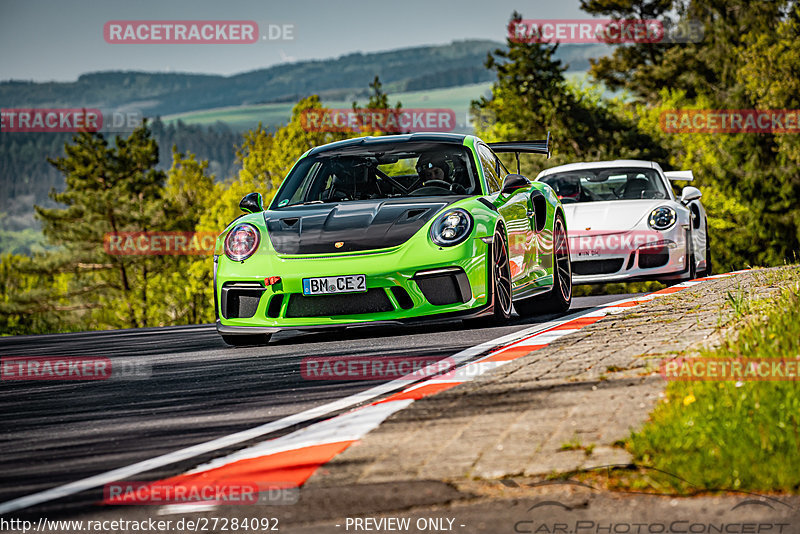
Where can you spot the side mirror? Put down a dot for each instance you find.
(690, 193)
(513, 182)
(252, 203)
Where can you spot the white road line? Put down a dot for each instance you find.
(346, 427)
(123, 473)
(354, 425)
(320, 411)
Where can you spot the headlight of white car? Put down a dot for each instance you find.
(662, 218)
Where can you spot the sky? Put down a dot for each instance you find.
(60, 40)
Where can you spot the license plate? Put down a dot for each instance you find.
(327, 285)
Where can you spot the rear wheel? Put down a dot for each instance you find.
(559, 298)
(248, 340)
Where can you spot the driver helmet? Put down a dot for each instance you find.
(433, 167)
(569, 188)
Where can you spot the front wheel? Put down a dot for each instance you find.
(559, 298)
(247, 340)
(707, 270)
(499, 269)
(692, 259)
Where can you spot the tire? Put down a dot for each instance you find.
(500, 288)
(559, 298)
(692, 259)
(708, 270)
(247, 340)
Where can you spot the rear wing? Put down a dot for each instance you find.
(523, 147)
(683, 176)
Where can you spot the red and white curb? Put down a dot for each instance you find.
(291, 459)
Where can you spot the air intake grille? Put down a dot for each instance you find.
(373, 301)
(597, 266)
(240, 300)
(446, 288)
(653, 257)
(402, 297)
(440, 290)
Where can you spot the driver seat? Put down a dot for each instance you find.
(636, 188)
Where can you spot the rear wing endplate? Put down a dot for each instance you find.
(523, 147)
(684, 176)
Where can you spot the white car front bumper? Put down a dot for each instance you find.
(629, 260)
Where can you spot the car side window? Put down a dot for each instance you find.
(490, 165)
(502, 172)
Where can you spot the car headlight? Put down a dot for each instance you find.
(242, 242)
(451, 228)
(662, 218)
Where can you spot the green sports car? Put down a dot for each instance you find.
(393, 229)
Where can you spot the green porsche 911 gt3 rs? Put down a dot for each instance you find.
(393, 229)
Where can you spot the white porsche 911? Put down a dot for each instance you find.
(625, 223)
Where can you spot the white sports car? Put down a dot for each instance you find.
(626, 224)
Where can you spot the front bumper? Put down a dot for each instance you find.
(401, 283)
(666, 259)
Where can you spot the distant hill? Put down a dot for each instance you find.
(205, 114)
(158, 94)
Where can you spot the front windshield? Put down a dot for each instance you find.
(385, 171)
(592, 185)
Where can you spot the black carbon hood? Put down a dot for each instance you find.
(355, 226)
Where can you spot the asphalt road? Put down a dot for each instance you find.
(200, 389)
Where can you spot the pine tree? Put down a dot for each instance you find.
(109, 190)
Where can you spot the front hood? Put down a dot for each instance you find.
(610, 217)
(354, 226)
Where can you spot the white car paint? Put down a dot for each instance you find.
(625, 222)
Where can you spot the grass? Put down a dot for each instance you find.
(572, 445)
(731, 435)
(243, 118)
(739, 301)
(575, 445)
(246, 117)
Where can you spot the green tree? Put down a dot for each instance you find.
(115, 188)
(182, 291)
(747, 60)
(379, 100)
(109, 189)
(531, 97)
